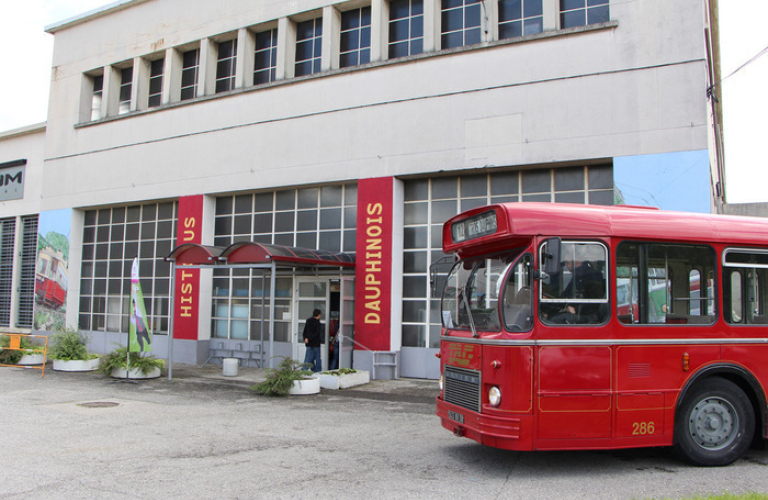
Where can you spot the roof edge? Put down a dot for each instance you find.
(92, 14)
(29, 129)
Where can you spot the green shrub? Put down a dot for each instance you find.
(68, 345)
(280, 380)
(11, 357)
(340, 372)
(117, 359)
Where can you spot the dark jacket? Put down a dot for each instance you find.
(313, 332)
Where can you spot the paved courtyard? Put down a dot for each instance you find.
(200, 435)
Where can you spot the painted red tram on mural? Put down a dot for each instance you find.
(584, 327)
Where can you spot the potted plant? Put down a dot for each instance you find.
(116, 364)
(69, 351)
(289, 378)
(32, 356)
(343, 378)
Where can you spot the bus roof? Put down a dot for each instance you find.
(527, 219)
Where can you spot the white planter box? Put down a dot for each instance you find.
(76, 365)
(344, 381)
(31, 359)
(302, 387)
(135, 373)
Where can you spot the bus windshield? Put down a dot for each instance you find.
(471, 296)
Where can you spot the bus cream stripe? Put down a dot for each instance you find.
(698, 341)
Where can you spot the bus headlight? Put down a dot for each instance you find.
(440, 382)
(494, 396)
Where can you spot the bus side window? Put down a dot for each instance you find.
(736, 303)
(745, 278)
(578, 294)
(667, 283)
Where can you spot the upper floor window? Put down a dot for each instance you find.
(520, 17)
(155, 83)
(406, 27)
(96, 96)
(126, 84)
(460, 23)
(583, 12)
(225, 67)
(355, 47)
(309, 38)
(265, 58)
(190, 71)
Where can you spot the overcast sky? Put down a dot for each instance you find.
(26, 51)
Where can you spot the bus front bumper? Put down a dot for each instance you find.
(499, 431)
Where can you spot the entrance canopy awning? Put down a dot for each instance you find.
(192, 254)
(251, 255)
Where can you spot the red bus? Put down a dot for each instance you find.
(583, 327)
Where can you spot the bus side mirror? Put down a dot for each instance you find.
(550, 258)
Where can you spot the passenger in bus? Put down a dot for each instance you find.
(565, 316)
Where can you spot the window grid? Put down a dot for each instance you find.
(355, 45)
(7, 238)
(112, 237)
(155, 98)
(431, 202)
(126, 84)
(27, 278)
(265, 57)
(406, 28)
(323, 218)
(189, 74)
(96, 97)
(309, 37)
(583, 12)
(520, 17)
(225, 67)
(460, 23)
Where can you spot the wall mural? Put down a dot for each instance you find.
(52, 270)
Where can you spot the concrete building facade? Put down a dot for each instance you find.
(354, 126)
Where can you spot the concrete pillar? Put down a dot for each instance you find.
(140, 84)
(246, 46)
(379, 30)
(111, 91)
(331, 38)
(286, 48)
(172, 76)
(208, 58)
(432, 13)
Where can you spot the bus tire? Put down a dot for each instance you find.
(715, 424)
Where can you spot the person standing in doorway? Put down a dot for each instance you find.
(313, 337)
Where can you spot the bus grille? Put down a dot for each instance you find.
(462, 387)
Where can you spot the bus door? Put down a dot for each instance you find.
(574, 363)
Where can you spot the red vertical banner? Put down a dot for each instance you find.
(186, 306)
(373, 263)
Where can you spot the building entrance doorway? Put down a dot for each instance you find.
(334, 297)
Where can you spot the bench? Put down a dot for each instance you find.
(244, 351)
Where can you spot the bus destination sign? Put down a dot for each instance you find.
(474, 227)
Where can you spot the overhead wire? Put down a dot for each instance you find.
(711, 89)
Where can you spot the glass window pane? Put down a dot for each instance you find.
(569, 179)
(416, 213)
(537, 181)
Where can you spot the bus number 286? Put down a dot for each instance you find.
(643, 428)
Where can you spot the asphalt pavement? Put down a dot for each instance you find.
(204, 435)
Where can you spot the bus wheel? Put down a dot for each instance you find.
(715, 424)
